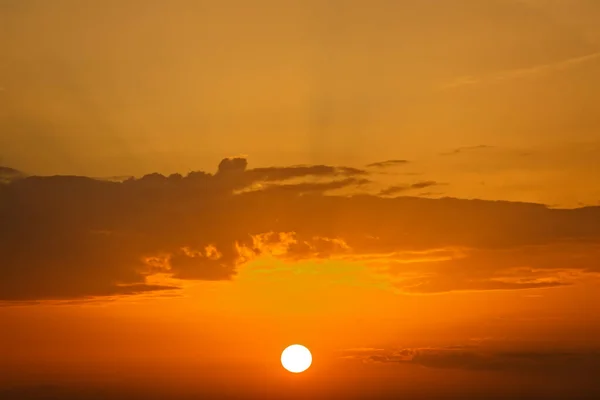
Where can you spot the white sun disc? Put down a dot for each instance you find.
(296, 358)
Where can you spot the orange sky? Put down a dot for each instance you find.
(408, 188)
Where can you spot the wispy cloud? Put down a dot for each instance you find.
(387, 163)
(511, 74)
(392, 190)
(463, 149)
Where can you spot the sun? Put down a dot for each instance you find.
(296, 358)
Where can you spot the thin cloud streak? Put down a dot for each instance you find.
(507, 75)
(463, 149)
(387, 163)
(392, 190)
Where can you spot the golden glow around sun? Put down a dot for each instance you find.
(296, 358)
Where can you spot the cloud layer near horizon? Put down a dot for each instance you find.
(67, 237)
(481, 358)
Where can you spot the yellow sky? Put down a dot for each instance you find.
(127, 88)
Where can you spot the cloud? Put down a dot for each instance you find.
(316, 187)
(283, 173)
(8, 174)
(233, 173)
(68, 237)
(511, 74)
(399, 189)
(9, 171)
(394, 190)
(463, 149)
(72, 237)
(430, 194)
(423, 184)
(388, 163)
(475, 358)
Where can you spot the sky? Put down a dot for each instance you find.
(406, 187)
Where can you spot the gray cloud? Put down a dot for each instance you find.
(318, 187)
(387, 163)
(424, 184)
(463, 149)
(67, 237)
(485, 359)
(403, 188)
(8, 174)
